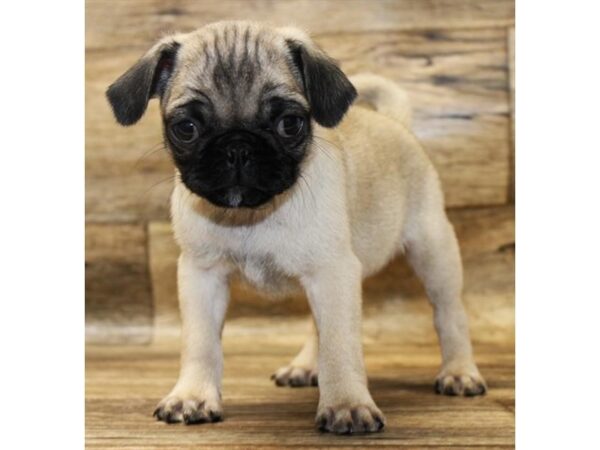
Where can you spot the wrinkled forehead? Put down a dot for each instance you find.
(237, 68)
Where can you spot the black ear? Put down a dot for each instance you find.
(327, 88)
(148, 78)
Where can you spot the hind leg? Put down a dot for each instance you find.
(432, 250)
(302, 370)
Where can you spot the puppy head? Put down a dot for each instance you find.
(238, 101)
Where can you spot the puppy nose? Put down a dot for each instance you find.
(237, 155)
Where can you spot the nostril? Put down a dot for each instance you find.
(243, 156)
(231, 157)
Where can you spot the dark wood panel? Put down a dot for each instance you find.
(118, 300)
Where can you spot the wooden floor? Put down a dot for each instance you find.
(124, 384)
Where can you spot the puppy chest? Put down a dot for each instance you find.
(263, 272)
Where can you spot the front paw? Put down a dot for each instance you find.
(348, 419)
(295, 376)
(467, 382)
(188, 409)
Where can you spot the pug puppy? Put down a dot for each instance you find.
(280, 179)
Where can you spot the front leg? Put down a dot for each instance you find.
(203, 299)
(334, 293)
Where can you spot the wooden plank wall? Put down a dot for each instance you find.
(455, 58)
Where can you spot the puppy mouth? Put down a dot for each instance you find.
(237, 196)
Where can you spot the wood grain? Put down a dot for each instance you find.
(118, 301)
(135, 23)
(457, 81)
(511, 79)
(486, 236)
(123, 385)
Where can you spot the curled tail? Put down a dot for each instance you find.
(384, 96)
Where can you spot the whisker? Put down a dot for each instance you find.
(307, 184)
(155, 148)
(324, 148)
(170, 178)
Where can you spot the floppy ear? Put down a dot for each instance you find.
(327, 88)
(148, 78)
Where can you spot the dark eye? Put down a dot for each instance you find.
(290, 126)
(185, 131)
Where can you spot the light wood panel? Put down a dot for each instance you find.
(134, 23)
(123, 385)
(118, 301)
(457, 81)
